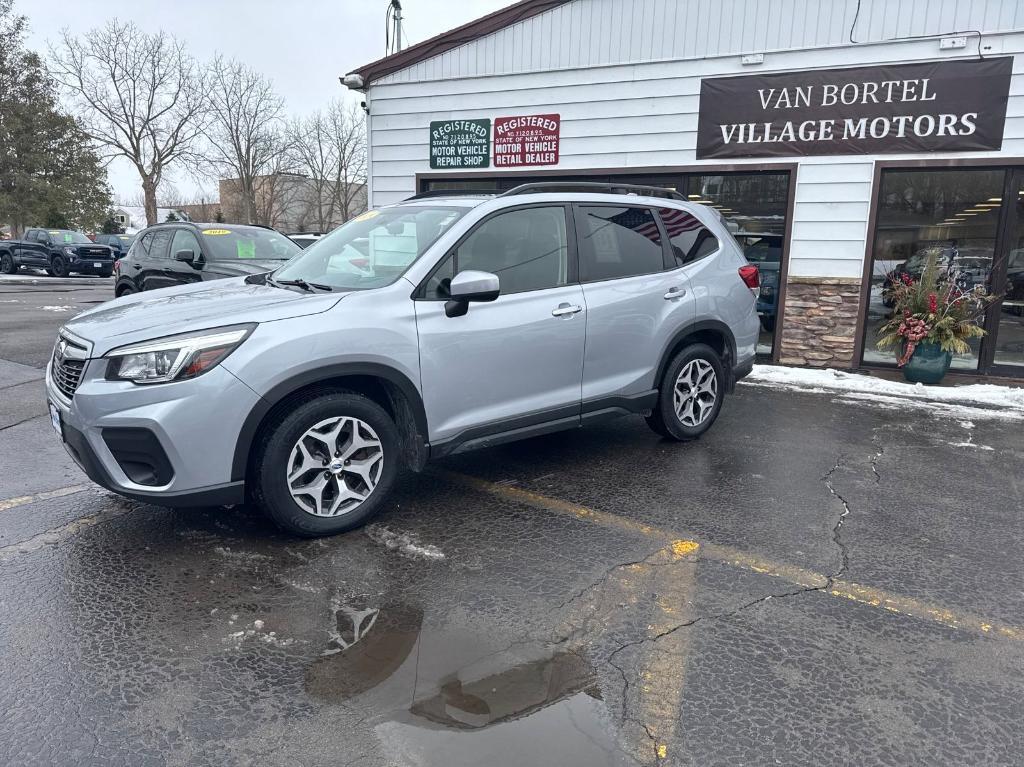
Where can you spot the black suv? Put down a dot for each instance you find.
(182, 252)
(59, 251)
(119, 243)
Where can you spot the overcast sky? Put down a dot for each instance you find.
(302, 45)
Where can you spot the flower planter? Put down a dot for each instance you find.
(928, 364)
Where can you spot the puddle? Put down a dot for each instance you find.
(439, 695)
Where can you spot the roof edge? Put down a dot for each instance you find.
(453, 38)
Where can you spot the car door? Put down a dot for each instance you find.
(515, 362)
(637, 297)
(152, 260)
(180, 272)
(35, 248)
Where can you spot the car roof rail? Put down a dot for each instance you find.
(598, 187)
(451, 193)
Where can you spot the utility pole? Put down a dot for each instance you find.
(397, 6)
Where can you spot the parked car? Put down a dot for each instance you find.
(304, 239)
(1014, 298)
(59, 251)
(765, 250)
(178, 253)
(119, 243)
(476, 321)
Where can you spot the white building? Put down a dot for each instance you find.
(864, 134)
(133, 217)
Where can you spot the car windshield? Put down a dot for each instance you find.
(371, 250)
(66, 237)
(232, 243)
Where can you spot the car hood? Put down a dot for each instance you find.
(201, 305)
(240, 268)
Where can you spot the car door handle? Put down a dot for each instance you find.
(566, 309)
(674, 293)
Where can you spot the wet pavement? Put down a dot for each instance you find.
(820, 580)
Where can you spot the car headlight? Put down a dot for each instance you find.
(175, 358)
(71, 252)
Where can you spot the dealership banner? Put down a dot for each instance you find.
(937, 106)
(526, 140)
(458, 144)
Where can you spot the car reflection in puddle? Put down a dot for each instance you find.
(525, 705)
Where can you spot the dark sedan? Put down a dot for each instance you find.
(183, 252)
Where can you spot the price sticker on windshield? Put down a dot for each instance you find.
(367, 215)
(216, 232)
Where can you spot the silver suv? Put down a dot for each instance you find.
(415, 331)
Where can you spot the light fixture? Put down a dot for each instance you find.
(995, 199)
(976, 210)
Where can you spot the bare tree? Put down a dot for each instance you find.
(330, 148)
(139, 96)
(243, 132)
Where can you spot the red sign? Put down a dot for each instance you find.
(526, 140)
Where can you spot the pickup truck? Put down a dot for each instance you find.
(59, 251)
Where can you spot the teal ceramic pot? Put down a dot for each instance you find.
(928, 364)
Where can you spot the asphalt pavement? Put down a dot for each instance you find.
(820, 580)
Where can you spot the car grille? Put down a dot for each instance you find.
(67, 365)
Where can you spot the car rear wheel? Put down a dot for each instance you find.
(327, 465)
(124, 290)
(7, 264)
(690, 395)
(58, 267)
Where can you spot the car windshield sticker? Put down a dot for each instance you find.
(54, 234)
(216, 232)
(68, 238)
(246, 248)
(368, 215)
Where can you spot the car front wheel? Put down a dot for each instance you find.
(7, 264)
(58, 267)
(690, 395)
(327, 465)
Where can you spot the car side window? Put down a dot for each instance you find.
(158, 245)
(617, 241)
(688, 238)
(140, 248)
(185, 239)
(527, 248)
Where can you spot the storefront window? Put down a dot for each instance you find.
(1009, 341)
(950, 215)
(754, 208)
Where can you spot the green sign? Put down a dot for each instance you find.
(456, 144)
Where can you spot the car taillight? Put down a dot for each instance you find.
(751, 278)
(117, 266)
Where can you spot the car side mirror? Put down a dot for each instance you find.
(188, 256)
(468, 286)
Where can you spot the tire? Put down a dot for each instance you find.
(698, 360)
(58, 267)
(279, 461)
(768, 323)
(7, 265)
(124, 290)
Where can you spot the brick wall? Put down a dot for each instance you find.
(820, 321)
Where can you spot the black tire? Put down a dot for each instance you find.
(58, 267)
(664, 419)
(768, 323)
(124, 290)
(7, 265)
(274, 455)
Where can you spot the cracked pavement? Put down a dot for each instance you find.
(817, 581)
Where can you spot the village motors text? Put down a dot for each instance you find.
(829, 129)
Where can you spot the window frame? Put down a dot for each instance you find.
(166, 255)
(666, 253)
(572, 256)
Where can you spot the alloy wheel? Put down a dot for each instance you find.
(695, 392)
(334, 466)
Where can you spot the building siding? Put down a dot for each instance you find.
(644, 115)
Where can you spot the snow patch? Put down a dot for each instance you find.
(407, 544)
(1007, 401)
(938, 409)
(224, 551)
(53, 308)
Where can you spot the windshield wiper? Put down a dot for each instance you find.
(308, 286)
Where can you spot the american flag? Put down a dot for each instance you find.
(678, 221)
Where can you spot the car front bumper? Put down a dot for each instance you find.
(190, 430)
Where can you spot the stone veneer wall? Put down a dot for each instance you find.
(820, 321)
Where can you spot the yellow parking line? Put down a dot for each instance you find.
(799, 576)
(22, 500)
